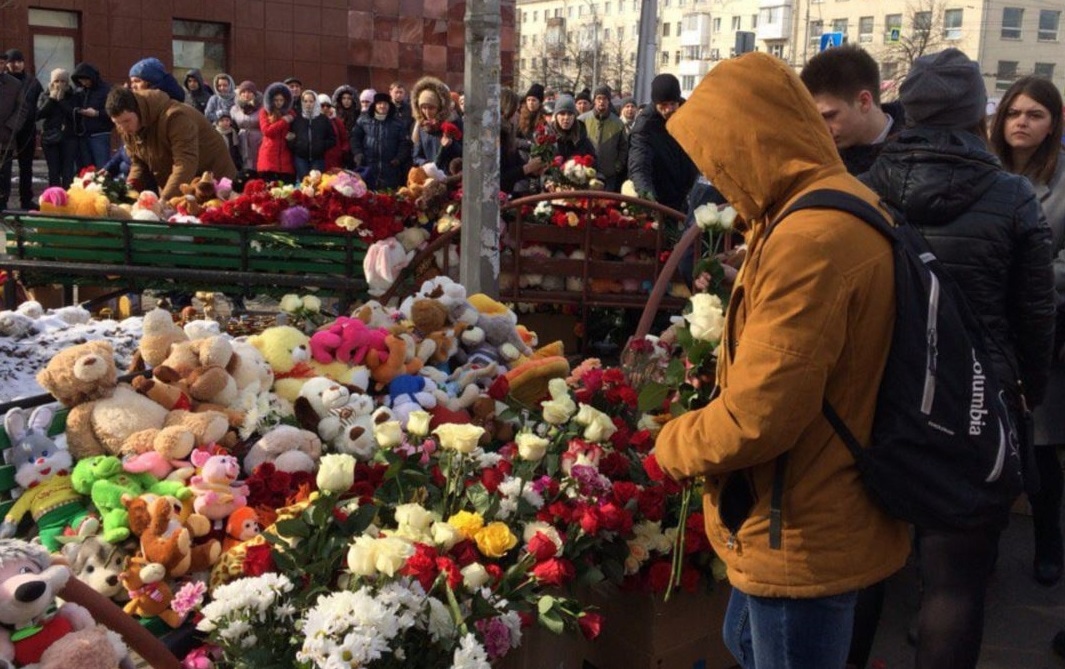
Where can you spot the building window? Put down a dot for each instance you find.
(922, 23)
(717, 24)
(1048, 25)
(840, 26)
(56, 42)
(676, 57)
(1007, 72)
(606, 34)
(777, 49)
(200, 45)
(687, 82)
(1044, 70)
(522, 65)
(865, 29)
(952, 23)
(621, 33)
(736, 23)
(817, 28)
(892, 27)
(536, 15)
(606, 8)
(664, 58)
(754, 21)
(665, 29)
(523, 40)
(679, 24)
(569, 12)
(665, 3)
(1012, 17)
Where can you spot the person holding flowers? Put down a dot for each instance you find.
(810, 318)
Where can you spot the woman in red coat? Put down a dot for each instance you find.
(275, 119)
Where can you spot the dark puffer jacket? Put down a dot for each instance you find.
(657, 164)
(91, 97)
(986, 227)
(382, 147)
(313, 133)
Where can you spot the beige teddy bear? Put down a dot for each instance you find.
(111, 418)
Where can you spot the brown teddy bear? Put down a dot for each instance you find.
(150, 596)
(105, 415)
(164, 539)
(159, 335)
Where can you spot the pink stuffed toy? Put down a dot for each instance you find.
(347, 340)
(218, 492)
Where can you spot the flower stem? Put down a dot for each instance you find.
(678, 542)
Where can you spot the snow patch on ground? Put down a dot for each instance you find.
(29, 342)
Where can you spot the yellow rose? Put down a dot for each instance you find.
(598, 426)
(531, 447)
(474, 575)
(495, 539)
(388, 434)
(336, 472)
(349, 223)
(291, 302)
(459, 438)
(418, 423)
(467, 523)
(311, 303)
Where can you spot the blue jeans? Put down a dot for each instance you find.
(94, 150)
(778, 633)
(304, 166)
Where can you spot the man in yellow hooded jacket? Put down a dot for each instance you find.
(811, 317)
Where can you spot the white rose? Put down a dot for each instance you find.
(531, 447)
(726, 217)
(561, 406)
(388, 434)
(391, 554)
(706, 216)
(291, 302)
(362, 556)
(598, 426)
(311, 303)
(336, 472)
(418, 423)
(707, 318)
(589, 172)
(629, 188)
(414, 516)
(445, 536)
(458, 437)
(474, 575)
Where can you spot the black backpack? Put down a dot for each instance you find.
(944, 452)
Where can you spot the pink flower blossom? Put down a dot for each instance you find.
(189, 597)
(496, 637)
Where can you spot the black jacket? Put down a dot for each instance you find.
(94, 97)
(31, 93)
(657, 164)
(575, 142)
(58, 117)
(986, 227)
(377, 144)
(861, 157)
(313, 137)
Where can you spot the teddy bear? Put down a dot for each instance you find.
(159, 334)
(165, 540)
(321, 407)
(448, 292)
(148, 207)
(346, 340)
(217, 490)
(195, 195)
(29, 584)
(42, 470)
(99, 564)
(499, 324)
(289, 448)
(102, 478)
(382, 264)
(249, 368)
(93, 648)
(407, 393)
(375, 315)
(205, 361)
(150, 596)
(78, 201)
(400, 360)
(112, 418)
(288, 352)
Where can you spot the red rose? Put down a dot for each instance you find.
(495, 571)
(590, 520)
(258, 560)
(614, 465)
(422, 565)
(541, 547)
(642, 441)
(491, 478)
(499, 389)
(652, 503)
(615, 518)
(625, 491)
(658, 575)
(591, 625)
(654, 471)
(465, 552)
(554, 572)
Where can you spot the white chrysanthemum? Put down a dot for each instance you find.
(441, 626)
(470, 654)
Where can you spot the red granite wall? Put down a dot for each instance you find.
(323, 42)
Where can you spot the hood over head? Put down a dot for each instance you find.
(272, 90)
(232, 93)
(442, 93)
(752, 129)
(197, 75)
(316, 111)
(87, 71)
(342, 90)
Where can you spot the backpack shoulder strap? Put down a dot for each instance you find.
(828, 198)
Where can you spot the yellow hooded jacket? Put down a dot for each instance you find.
(811, 316)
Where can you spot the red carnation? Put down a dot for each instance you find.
(652, 503)
(422, 565)
(258, 560)
(625, 491)
(491, 478)
(451, 130)
(454, 574)
(654, 471)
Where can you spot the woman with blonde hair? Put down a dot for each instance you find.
(59, 139)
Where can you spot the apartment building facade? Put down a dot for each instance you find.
(577, 43)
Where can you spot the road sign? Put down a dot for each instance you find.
(829, 40)
(894, 35)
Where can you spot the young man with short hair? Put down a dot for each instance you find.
(25, 139)
(845, 83)
(607, 133)
(167, 139)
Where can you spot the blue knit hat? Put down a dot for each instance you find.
(154, 72)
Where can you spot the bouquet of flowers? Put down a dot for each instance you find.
(544, 144)
(577, 173)
(117, 191)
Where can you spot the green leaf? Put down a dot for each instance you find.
(479, 497)
(684, 337)
(652, 395)
(675, 372)
(293, 527)
(546, 603)
(677, 409)
(553, 622)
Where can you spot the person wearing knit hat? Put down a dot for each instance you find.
(984, 225)
(565, 104)
(366, 99)
(245, 115)
(531, 113)
(25, 140)
(628, 112)
(150, 73)
(583, 101)
(607, 134)
(381, 144)
(535, 91)
(944, 90)
(658, 166)
(571, 139)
